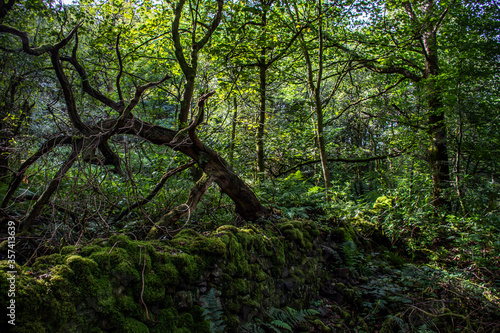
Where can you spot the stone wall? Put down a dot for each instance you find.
(124, 285)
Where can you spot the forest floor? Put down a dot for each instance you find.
(380, 289)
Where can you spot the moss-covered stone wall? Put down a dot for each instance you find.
(124, 285)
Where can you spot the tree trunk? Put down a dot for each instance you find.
(247, 205)
(321, 144)
(195, 195)
(438, 152)
(315, 93)
(261, 120)
(233, 132)
(262, 103)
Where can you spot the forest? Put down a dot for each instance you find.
(186, 160)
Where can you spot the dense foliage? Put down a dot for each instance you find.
(146, 117)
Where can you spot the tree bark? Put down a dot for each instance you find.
(438, 153)
(261, 119)
(262, 102)
(233, 131)
(247, 205)
(314, 86)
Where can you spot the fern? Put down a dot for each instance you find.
(280, 320)
(252, 328)
(336, 257)
(212, 312)
(351, 254)
(287, 319)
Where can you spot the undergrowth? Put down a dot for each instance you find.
(412, 267)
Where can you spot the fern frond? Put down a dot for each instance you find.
(212, 312)
(287, 319)
(281, 324)
(351, 254)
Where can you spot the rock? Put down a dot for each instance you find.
(183, 299)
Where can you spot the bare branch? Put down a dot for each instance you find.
(41, 49)
(117, 106)
(18, 177)
(155, 191)
(34, 212)
(69, 98)
(364, 99)
(345, 160)
(120, 67)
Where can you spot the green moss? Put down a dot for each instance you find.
(70, 249)
(233, 305)
(37, 326)
(238, 286)
(182, 330)
(189, 266)
(168, 320)
(168, 273)
(101, 292)
(246, 238)
(251, 303)
(61, 286)
(101, 258)
(232, 322)
(341, 312)
(125, 273)
(236, 257)
(88, 250)
(102, 284)
(294, 235)
(126, 303)
(260, 275)
(199, 324)
(227, 229)
(195, 243)
(312, 228)
(122, 241)
(154, 289)
(301, 232)
(320, 326)
(63, 271)
(45, 262)
(131, 325)
(81, 266)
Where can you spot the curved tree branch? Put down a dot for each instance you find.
(36, 51)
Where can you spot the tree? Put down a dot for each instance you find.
(92, 139)
(258, 42)
(410, 49)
